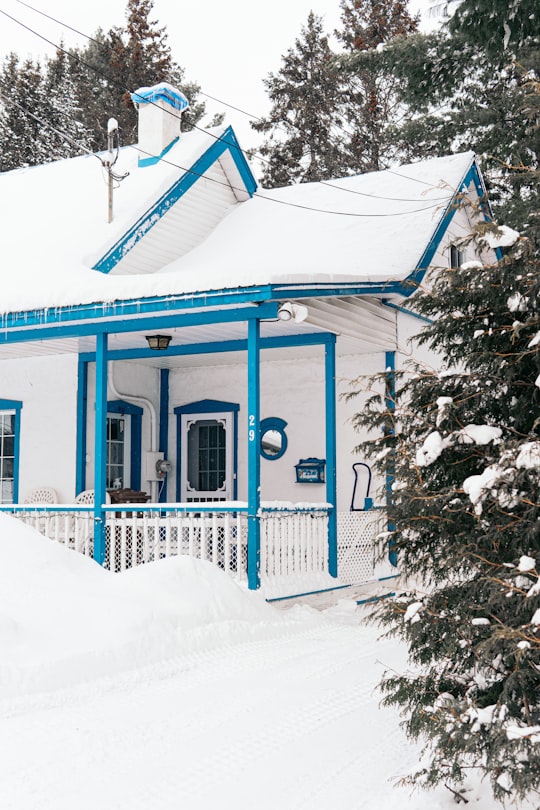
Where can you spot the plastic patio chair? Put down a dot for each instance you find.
(41, 495)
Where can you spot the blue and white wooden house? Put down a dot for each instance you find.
(271, 301)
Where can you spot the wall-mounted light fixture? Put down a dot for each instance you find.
(289, 311)
(158, 342)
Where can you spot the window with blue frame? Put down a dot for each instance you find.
(9, 450)
(123, 464)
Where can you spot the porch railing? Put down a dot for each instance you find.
(294, 539)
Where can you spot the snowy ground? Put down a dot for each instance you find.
(169, 687)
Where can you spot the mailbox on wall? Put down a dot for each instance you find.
(310, 471)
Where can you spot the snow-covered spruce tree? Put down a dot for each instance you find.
(116, 63)
(23, 141)
(463, 444)
(468, 87)
(63, 110)
(305, 141)
(371, 102)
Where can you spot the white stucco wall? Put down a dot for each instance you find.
(47, 388)
(291, 389)
(131, 380)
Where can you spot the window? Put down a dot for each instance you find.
(117, 466)
(207, 451)
(457, 256)
(123, 463)
(206, 455)
(273, 437)
(9, 450)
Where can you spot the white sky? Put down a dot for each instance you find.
(228, 48)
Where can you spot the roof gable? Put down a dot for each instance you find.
(185, 213)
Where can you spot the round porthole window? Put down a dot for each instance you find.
(273, 437)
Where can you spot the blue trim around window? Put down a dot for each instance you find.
(206, 406)
(279, 425)
(122, 407)
(226, 142)
(14, 405)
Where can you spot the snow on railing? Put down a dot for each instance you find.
(294, 537)
(142, 533)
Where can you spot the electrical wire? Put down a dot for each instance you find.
(200, 129)
(63, 135)
(260, 196)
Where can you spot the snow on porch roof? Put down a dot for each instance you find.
(53, 221)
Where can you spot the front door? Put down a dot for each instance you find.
(206, 464)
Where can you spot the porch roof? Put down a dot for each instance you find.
(358, 234)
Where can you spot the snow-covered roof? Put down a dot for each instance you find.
(372, 227)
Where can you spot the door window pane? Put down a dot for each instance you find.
(206, 468)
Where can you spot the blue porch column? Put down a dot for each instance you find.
(164, 425)
(100, 448)
(390, 404)
(331, 484)
(254, 457)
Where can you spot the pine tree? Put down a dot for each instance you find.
(469, 87)
(117, 63)
(371, 101)
(63, 110)
(22, 140)
(305, 142)
(463, 445)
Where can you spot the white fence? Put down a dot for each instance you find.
(293, 541)
(363, 546)
(133, 538)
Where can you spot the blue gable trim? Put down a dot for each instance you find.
(150, 161)
(226, 142)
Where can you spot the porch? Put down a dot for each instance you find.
(294, 550)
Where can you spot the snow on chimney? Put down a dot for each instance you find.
(160, 111)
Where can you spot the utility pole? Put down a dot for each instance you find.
(112, 128)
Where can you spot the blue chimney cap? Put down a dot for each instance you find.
(161, 92)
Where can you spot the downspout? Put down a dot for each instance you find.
(138, 400)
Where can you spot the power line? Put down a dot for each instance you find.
(100, 44)
(258, 195)
(238, 109)
(63, 135)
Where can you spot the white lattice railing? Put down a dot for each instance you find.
(362, 555)
(294, 542)
(139, 537)
(69, 524)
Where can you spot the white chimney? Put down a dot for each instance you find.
(160, 111)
